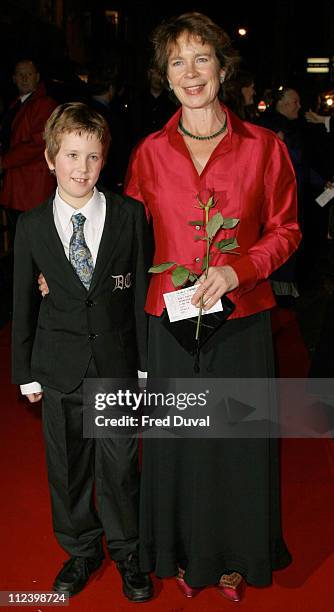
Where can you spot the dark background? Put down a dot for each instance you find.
(67, 36)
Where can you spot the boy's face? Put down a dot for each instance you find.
(77, 166)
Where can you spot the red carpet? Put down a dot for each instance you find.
(31, 557)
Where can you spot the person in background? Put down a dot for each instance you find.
(153, 107)
(210, 508)
(326, 120)
(238, 95)
(27, 181)
(102, 84)
(283, 118)
(323, 150)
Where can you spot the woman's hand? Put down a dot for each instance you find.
(42, 285)
(221, 280)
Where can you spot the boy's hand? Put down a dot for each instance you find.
(42, 285)
(34, 397)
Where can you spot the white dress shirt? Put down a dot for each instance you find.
(25, 97)
(95, 213)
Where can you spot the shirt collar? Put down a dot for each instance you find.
(93, 210)
(26, 96)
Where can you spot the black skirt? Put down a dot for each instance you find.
(212, 505)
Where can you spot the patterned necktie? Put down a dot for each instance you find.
(79, 254)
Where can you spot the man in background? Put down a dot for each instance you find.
(153, 108)
(26, 178)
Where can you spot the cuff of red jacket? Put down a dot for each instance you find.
(246, 273)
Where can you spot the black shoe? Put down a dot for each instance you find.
(137, 586)
(74, 576)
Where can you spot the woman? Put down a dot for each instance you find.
(210, 507)
(239, 94)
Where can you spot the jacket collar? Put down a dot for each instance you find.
(115, 222)
(236, 129)
(39, 92)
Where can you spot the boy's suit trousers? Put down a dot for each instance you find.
(74, 464)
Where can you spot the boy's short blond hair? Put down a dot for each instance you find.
(77, 118)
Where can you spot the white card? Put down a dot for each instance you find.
(325, 196)
(179, 306)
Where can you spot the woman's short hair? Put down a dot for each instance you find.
(197, 25)
(78, 118)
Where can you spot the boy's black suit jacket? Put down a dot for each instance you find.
(55, 337)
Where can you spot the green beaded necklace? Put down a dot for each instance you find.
(220, 131)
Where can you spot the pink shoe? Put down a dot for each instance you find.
(187, 590)
(232, 586)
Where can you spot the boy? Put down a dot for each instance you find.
(89, 325)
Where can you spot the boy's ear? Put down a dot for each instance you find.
(48, 161)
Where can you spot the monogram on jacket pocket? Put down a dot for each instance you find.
(122, 281)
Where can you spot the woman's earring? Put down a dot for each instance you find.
(222, 78)
(170, 85)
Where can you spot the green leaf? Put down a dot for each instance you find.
(228, 244)
(180, 275)
(205, 238)
(214, 224)
(162, 267)
(201, 223)
(230, 223)
(193, 277)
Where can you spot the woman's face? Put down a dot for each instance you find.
(248, 93)
(193, 72)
